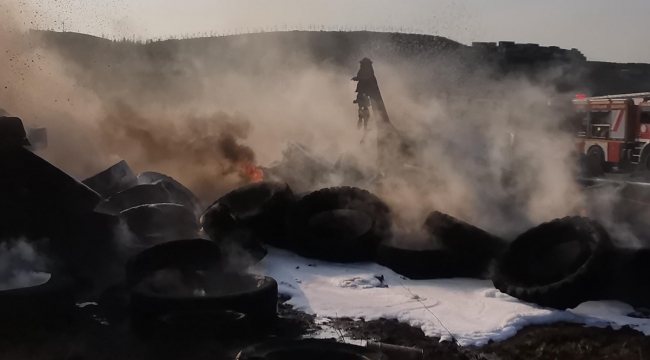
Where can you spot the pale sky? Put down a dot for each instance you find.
(608, 30)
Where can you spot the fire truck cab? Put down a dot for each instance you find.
(615, 129)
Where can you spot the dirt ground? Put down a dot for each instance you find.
(93, 338)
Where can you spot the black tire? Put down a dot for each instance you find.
(327, 225)
(48, 304)
(463, 238)
(157, 223)
(109, 182)
(252, 214)
(555, 264)
(430, 264)
(626, 277)
(161, 192)
(180, 193)
(186, 255)
(309, 349)
(254, 296)
(201, 324)
(598, 155)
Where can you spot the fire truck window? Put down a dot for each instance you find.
(600, 117)
(645, 117)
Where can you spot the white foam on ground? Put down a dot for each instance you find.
(473, 311)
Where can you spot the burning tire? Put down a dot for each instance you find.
(343, 224)
(157, 223)
(250, 216)
(555, 264)
(50, 303)
(309, 349)
(430, 263)
(463, 238)
(161, 192)
(185, 255)
(167, 292)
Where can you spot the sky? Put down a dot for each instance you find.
(604, 30)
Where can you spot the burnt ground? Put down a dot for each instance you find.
(557, 341)
(89, 339)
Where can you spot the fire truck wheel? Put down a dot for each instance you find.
(555, 264)
(342, 224)
(462, 237)
(597, 153)
(308, 349)
(644, 163)
(429, 264)
(256, 213)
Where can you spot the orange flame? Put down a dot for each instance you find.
(254, 174)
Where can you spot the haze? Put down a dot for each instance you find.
(602, 30)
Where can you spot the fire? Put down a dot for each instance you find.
(254, 174)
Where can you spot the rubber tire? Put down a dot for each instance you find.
(157, 223)
(571, 290)
(181, 194)
(51, 304)
(161, 192)
(626, 277)
(259, 208)
(599, 155)
(111, 181)
(463, 238)
(313, 245)
(430, 264)
(315, 349)
(186, 255)
(259, 304)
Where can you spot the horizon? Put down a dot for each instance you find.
(600, 29)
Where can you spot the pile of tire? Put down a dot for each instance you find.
(556, 264)
(447, 248)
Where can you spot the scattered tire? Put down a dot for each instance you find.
(186, 255)
(555, 264)
(251, 215)
(161, 222)
(427, 264)
(50, 303)
(180, 194)
(343, 224)
(166, 292)
(309, 349)
(161, 192)
(195, 324)
(463, 238)
(111, 181)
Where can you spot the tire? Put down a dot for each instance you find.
(161, 192)
(51, 304)
(186, 255)
(430, 264)
(596, 152)
(555, 264)
(626, 277)
(329, 225)
(180, 193)
(201, 324)
(251, 215)
(111, 181)
(309, 349)
(157, 223)
(463, 238)
(254, 296)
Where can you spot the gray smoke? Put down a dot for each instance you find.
(21, 265)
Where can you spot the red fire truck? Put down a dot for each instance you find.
(615, 129)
